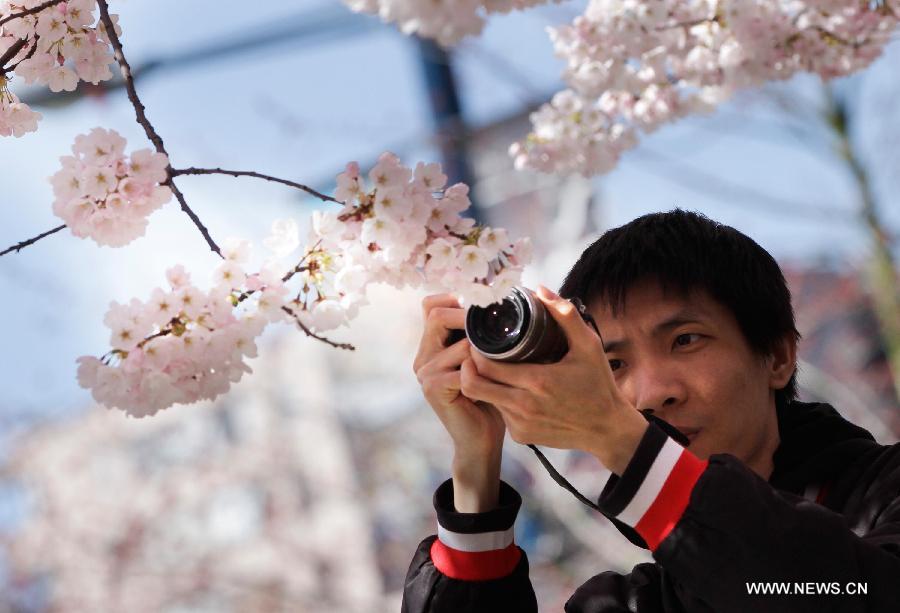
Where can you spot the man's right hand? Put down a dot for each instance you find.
(476, 429)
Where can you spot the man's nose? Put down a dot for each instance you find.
(658, 389)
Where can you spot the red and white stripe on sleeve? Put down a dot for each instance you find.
(476, 546)
(655, 488)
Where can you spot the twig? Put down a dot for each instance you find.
(11, 53)
(31, 11)
(309, 332)
(248, 173)
(28, 56)
(19, 246)
(139, 108)
(141, 117)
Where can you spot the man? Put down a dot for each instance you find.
(697, 333)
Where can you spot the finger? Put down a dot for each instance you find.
(438, 300)
(519, 375)
(444, 383)
(448, 359)
(441, 320)
(567, 316)
(438, 323)
(476, 387)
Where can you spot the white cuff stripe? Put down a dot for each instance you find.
(656, 477)
(481, 541)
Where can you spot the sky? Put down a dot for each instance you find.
(301, 108)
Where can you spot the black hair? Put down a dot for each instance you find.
(687, 251)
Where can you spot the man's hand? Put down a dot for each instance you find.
(572, 404)
(477, 429)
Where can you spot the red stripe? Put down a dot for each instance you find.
(672, 499)
(474, 565)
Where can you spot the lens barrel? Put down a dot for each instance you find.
(518, 329)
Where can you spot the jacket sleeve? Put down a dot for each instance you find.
(472, 565)
(715, 526)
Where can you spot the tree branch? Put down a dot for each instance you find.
(882, 280)
(18, 246)
(31, 11)
(28, 56)
(247, 173)
(309, 332)
(11, 53)
(156, 139)
(141, 116)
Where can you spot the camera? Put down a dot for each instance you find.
(518, 329)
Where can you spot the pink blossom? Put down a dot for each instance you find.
(445, 22)
(36, 68)
(100, 147)
(178, 277)
(97, 194)
(16, 118)
(66, 45)
(473, 261)
(327, 315)
(185, 344)
(388, 173)
(430, 176)
(284, 238)
(635, 66)
(147, 166)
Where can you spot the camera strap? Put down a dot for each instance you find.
(672, 431)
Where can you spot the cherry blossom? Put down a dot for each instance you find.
(634, 65)
(407, 229)
(63, 44)
(16, 118)
(185, 344)
(103, 195)
(180, 346)
(446, 21)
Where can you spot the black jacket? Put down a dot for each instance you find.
(827, 520)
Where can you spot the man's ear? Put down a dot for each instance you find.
(782, 362)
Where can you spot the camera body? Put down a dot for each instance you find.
(518, 329)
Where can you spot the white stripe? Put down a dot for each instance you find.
(656, 477)
(481, 541)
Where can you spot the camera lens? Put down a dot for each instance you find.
(497, 328)
(518, 329)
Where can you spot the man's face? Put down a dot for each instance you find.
(688, 361)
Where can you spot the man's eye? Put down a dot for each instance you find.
(614, 364)
(683, 336)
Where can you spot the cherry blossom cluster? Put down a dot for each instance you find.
(185, 344)
(404, 228)
(16, 117)
(634, 65)
(180, 346)
(446, 21)
(63, 44)
(103, 195)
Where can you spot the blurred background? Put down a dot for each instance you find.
(308, 486)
